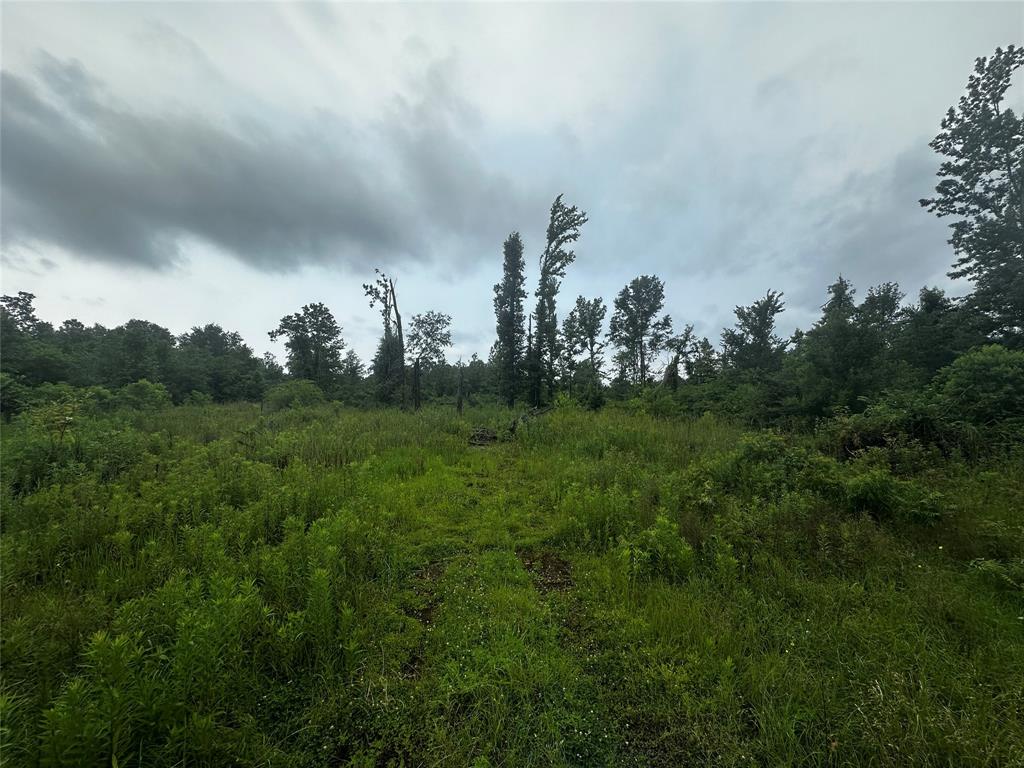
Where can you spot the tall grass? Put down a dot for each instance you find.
(210, 584)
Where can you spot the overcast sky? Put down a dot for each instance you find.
(213, 162)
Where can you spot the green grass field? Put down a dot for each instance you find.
(209, 586)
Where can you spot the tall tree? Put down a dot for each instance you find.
(564, 226)
(352, 368)
(982, 185)
(29, 347)
(703, 364)
(389, 362)
(581, 331)
(934, 332)
(509, 314)
(681, 346)
(429, 336)
(21, 311)
(752, 344)
(845, 356)
(137, 350)
(637, 330)
(314, 343)
(225, 364)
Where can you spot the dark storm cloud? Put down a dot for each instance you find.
(87, 174)
(874, 230)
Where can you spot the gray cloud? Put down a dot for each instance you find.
(872, 229)
(89, 175)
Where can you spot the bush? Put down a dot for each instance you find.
(293, 394)
(144, 395)
(14, 395)
(658, 551)
(984, 386)
(195, 397)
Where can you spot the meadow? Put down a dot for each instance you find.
(326, 586)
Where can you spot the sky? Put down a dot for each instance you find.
(199, 162)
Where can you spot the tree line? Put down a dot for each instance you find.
(857, 350)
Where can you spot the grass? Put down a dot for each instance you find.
(211, 586)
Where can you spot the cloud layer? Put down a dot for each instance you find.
(187, 175)
(94, 177)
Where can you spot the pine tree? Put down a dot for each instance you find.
(982, 185)
(508, 309)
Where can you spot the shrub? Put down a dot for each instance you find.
(658, 551)
(144, 395)
(13, 395)
(984, 386)
(195, 397)
(293, 394)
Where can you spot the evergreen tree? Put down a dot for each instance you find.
(982, 185)
(703, 364)
(934, 332)
(508, 309)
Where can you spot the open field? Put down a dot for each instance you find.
(206, 586)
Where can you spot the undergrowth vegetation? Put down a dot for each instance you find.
(314, 585)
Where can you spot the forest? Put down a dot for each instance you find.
(604, 542)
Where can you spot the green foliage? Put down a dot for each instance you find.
(658, 551)
(314, 342)
(205, 584)
(510, 320)
(984, 387)
(143, 395)
(293, 394)
(752, 344)
(635, 328)
(564, 228)
(981, 187)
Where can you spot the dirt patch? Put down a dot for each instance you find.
(551, 573)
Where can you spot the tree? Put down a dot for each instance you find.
(984, 386)
(982, 185)
(934, 332)
(21, 311)
(681, 346)
(752, 344)
(509, 314)
(314, 343)
(223, 363)
(28, 346)
(273, 373)
(429, 336)
(352, 368)
(581, 330)
(637, 330)
(389, 362)
(137, 350)
(703, 364)
(564, 226)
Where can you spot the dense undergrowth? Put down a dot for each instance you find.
(209, 585)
